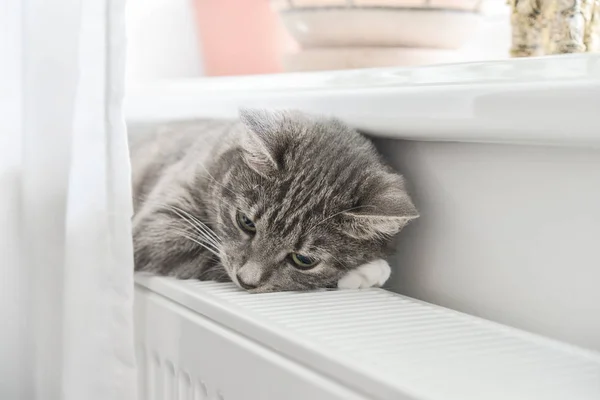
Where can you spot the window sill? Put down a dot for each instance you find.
(550, 100)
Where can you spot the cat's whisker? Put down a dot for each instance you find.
(201, 234)
(197, 238)
(199, 227)
(201, 238)
(197, 223)
(193, 221)
(204, 245)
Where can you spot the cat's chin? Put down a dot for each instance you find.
(232, 277)
(228, 270)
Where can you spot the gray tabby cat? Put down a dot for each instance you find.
(274, 201)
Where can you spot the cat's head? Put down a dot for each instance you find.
(304, 200)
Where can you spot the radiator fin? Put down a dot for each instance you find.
(163, 380)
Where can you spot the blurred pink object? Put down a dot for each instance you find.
(241, 37)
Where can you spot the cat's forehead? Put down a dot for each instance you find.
(297, 200)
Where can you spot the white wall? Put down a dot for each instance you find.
(492, 40)
(162, 40)
(509, 233)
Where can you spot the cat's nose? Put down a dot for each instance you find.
(250, 275)
(243, 284)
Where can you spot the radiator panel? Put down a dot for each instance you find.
(182, 355)
(373, 343)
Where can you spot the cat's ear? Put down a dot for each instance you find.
(265, 142)
(384, 209)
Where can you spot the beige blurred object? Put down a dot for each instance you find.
(385, 23)
(541, 27)
(340, 34)
(396, 27)
(468, 5)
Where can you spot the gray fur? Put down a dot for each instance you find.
(312, 185)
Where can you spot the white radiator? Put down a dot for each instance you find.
(204, 340)
(210, 341)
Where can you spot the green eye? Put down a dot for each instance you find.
(245, 223)
(303, 262)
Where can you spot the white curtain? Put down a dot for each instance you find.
(66, 274)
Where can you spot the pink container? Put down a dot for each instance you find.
(240, 37)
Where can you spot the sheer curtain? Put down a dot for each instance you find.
(66, 274)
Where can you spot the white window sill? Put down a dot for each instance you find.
(552, 100)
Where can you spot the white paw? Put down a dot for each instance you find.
(373, 274)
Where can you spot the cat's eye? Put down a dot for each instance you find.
(303, 262)
(245, 223)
